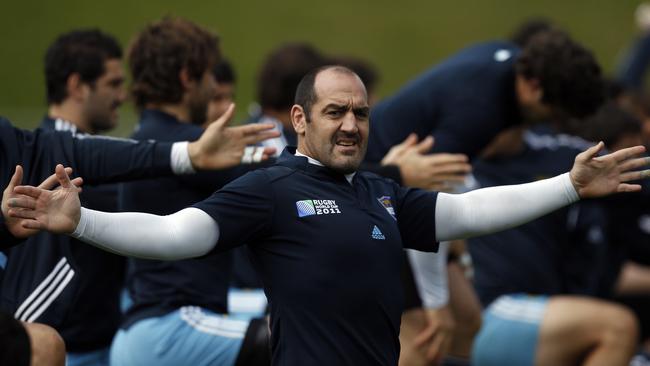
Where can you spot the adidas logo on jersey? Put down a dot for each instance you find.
(376, 234)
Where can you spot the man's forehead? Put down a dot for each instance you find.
(340, 88)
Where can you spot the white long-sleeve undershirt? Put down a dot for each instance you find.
(192, 232)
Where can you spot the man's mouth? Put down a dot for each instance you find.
(346, 143)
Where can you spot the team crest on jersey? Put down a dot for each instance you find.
(386, 203)
(317, 207)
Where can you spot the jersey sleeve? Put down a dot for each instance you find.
(416, 218)
(243, 210)
(102, 159)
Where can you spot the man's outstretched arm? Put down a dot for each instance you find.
(488, 210)
(101, 159)
(184, 234)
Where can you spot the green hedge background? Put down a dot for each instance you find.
(402, 38)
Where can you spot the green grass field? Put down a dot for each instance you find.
(400, 38)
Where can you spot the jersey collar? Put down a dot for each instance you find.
(290, 158)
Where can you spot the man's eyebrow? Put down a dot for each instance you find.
(338, 106)
(365, 109)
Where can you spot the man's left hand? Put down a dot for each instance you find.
(596, 176)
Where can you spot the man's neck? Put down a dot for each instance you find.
(68, 111)
(311, 160)
(179, 111)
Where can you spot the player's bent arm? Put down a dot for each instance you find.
(493, 209)
(430, 276)
(185, 234)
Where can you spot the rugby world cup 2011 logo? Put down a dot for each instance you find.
(317, 207)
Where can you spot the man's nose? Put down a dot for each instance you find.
(349, 123)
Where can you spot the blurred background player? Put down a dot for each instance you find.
(224, 95)
(179, 311)
(470, 97)
(85, 86)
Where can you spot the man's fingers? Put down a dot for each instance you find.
(225, 118)
(444, 158)
(451, 168)
(259, 137)
(410, 140)
(447, 178)
(424, 336)
(16, 178)
(21, 202)
(22, 213)
(637, 175)
(33, 225)
(433, 351)
(591, 152)
(627, 153)
(632, 164)
(62, 176)
(50, 182)
(624, 187)
(253, 128)
(425, 145)
(78, 182)
(28, 191)
(53, 180)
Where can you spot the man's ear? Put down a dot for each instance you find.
(76, 88)
(536, 89)
(186, 81)
(298, 119)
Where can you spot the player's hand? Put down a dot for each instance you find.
(222, 147)
(435, 339)
(596, 176)
(14, 225)
(38, 208)
(440, 171)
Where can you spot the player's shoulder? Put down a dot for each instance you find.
(270, 174)
(377, 180)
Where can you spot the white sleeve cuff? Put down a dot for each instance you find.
(180, 159)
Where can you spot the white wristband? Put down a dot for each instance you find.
(180, 159)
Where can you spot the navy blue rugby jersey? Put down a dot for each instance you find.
(159, 287)
(46, 278)
(561, 252)
(329, 255)
(463, 102)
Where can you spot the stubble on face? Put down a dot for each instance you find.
(200, 99)
(106, 95)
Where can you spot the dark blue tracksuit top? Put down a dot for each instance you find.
(54, 279)
(329, 254)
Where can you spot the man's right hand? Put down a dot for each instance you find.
(438, 171)
(37, 208)
(222, 147)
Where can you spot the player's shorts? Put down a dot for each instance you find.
(510, 331)
(188, 336)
